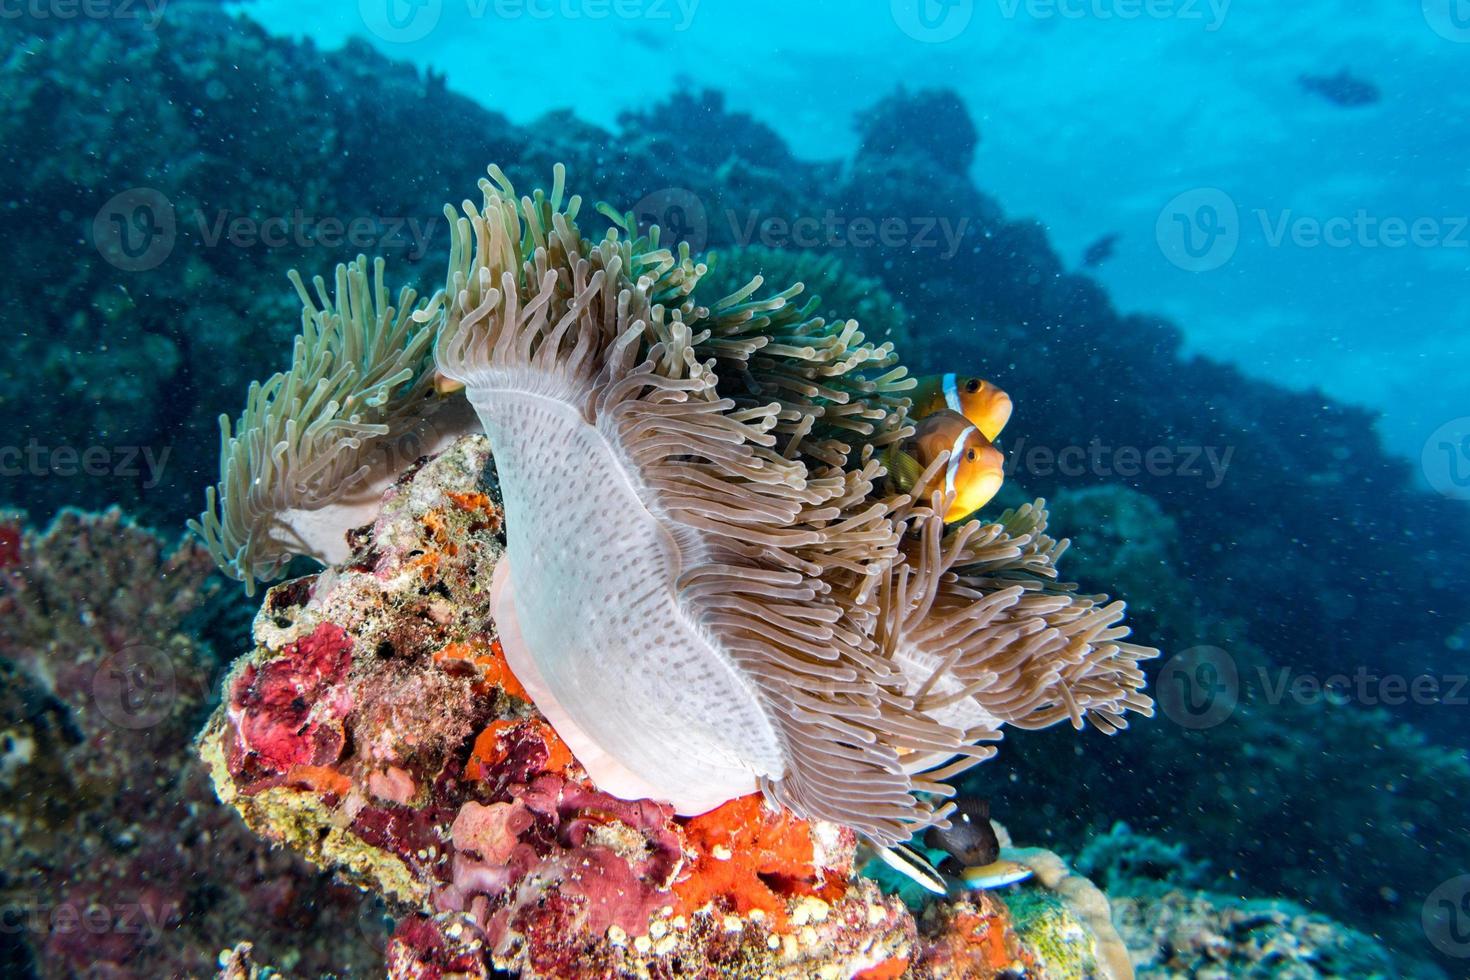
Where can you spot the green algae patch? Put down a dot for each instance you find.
(303, 822)
(1065, 947)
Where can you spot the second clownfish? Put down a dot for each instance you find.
(985, 405)
(972, 475)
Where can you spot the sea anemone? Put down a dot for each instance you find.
(309, 456)
(708, 589)
(710, 585)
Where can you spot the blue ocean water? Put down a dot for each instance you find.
(1341, 260)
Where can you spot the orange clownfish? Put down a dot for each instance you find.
(973, 474)
(445, 385)
(978, 400)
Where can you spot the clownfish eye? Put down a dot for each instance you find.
(973, 385)
(970, 456)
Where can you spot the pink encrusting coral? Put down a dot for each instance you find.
(288, 712)
(10, 542)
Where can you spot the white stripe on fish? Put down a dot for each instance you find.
(956, 454)
(912, 865)
(952, 394)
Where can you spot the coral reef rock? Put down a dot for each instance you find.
(377, 730)
(1198, 934)
(1176, 926)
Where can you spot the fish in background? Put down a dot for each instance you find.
(972, 848)
(1344, 89)
(1100, 251)
(986, 406)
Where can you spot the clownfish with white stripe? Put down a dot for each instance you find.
(972, 475)
(985, 405)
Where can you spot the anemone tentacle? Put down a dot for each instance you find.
(311, 438)
(988, 637)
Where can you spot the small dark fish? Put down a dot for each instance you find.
(1100, 251)
(970, 841)
(973, 849)
(972, 853)
(1344, 89)
(652, 40)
